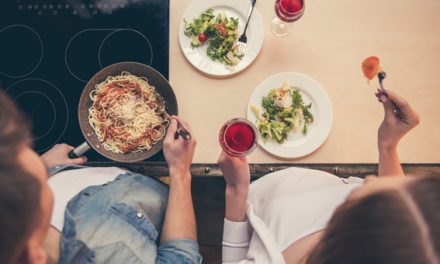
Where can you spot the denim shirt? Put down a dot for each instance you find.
(120, 222)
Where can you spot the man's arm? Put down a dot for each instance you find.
(58, 155)
(178, 239)
(179, 217)
(180, 221)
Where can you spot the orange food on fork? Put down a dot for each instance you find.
(370, 67)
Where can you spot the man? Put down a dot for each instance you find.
(101, 215)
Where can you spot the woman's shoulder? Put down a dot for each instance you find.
(296, 202)
(299, 186)
(297, 180)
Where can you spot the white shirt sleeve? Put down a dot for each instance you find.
(235, 243)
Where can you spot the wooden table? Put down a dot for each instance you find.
(328, 43)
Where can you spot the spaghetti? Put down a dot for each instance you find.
(127, 113)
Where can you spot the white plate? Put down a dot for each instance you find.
(235, 8)
(297, 144)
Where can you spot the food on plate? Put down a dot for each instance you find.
(218, 32)
(127, 114)
(284, 110)
(370, 67)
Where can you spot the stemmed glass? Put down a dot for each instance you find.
(238, 137)
(286, 12)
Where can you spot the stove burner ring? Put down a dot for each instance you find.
(109, 32)
(68, 47)
(35, 33)
(122, 30)
(57, 93)
(53, 110)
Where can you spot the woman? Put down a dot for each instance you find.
(308, 216)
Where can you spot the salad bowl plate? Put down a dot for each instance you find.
(231, 8)
(297, 144)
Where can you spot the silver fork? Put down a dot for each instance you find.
(399, 114)
(242, 41)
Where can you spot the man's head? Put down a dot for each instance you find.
(25, 198)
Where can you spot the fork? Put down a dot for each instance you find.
(181, 131)
(397, 112)
(242, 41)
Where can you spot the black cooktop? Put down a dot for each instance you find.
(49, 50)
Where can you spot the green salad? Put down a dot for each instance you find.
(283, 111)
(218, 32)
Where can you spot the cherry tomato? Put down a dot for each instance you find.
(202, 37)
(222, 29)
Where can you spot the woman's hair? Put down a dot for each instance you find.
(395, 226)
(19, 191)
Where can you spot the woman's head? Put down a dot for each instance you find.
(388, 220)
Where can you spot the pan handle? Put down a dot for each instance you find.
(79, 151)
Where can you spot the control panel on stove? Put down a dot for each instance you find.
(71, 7)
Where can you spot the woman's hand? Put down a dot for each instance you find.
(178, 152)
(235, 170)
(57, 155)
(397, 121)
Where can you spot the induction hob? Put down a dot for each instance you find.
(50, 49)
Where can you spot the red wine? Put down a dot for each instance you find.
(289, 10)
(238, 137)
(290, 6)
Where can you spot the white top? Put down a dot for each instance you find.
(282, 208)
(66, 184)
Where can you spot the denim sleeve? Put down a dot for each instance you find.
(179, 251)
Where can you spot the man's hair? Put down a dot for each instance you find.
(19, 190)
(395, 226)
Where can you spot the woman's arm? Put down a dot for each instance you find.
(235, 232)
(236, 197)
(237, 176)
(396, 124)
(389, 164)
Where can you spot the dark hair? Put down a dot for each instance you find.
(393, 226)
(19, 190)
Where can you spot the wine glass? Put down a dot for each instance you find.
(238, 137)
(286, 12)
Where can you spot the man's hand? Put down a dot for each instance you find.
(395, 124)
(178, 152)
(57, 155)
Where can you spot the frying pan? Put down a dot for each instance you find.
(141, 70)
